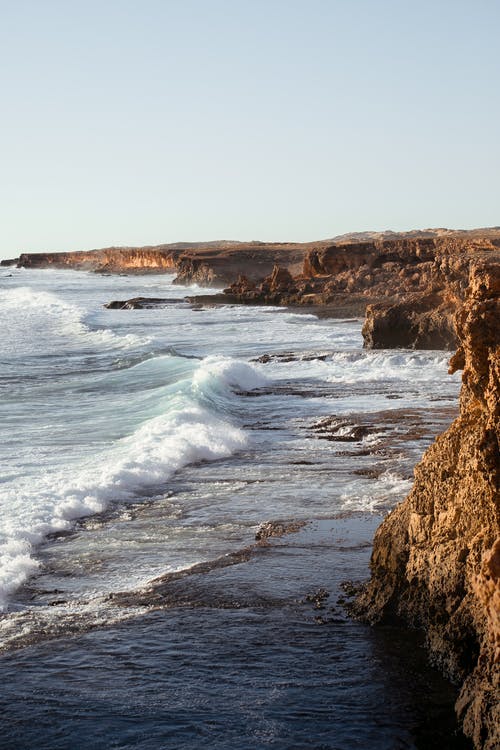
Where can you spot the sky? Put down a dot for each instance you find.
(134, 123)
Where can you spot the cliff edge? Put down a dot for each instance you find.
(408, 284)
(409, 289)
(436, 558)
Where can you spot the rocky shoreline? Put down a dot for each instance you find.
(408, 285)
(436, 558)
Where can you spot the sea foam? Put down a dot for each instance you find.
(35, 319)
(195, 426)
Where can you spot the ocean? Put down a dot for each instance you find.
(140, 451)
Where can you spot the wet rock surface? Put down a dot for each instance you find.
(141, 303)
(271, 529)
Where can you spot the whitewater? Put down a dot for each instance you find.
(140, 452)
(101, 408)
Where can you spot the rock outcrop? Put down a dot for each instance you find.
(207, 264)
(107, 260)
(436, 558)
(409, 284)
(254, 261)
(409, 288)
(419, 321)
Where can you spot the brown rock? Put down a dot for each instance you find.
(414, 282)
(424, 321)
(436, 558)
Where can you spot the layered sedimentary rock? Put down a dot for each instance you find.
(410, 284)
(218, 267)
(409, 288)
(107, 260)
(436, 558)
(207, 264)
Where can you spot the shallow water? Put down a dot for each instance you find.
(138, 443)
(238, 658)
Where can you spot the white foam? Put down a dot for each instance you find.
(387, 490)
(140, 464)
(227, 372)
(33, 318)
(351, 367)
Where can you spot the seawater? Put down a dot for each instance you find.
(135, 443)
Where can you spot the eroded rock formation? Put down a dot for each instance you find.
(409, 288)
(207, 264)
(436, 558)
(108, 260)
(409, 284)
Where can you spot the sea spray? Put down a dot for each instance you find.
(196, 425)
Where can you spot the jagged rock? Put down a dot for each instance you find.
(436, 558)
(423, 321)
(269, 529)
(253, 262)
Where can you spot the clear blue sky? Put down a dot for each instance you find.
(161, 120)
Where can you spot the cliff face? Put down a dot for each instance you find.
(410, 288)
(84, 261)
(436, 558)
(207, 264)
(255, 261)
(108, 260)
(410, 285)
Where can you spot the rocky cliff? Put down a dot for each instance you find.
(107, 260)
(436, 558)
(410, 288)
(410, 284)
(207, 264)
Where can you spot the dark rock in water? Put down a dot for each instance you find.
(277, 528)
(140, 303)
(318, 598)
(340, 430)
(291, 357)
(202, 301)
(9, 262)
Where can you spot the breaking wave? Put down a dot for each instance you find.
(195, 424)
